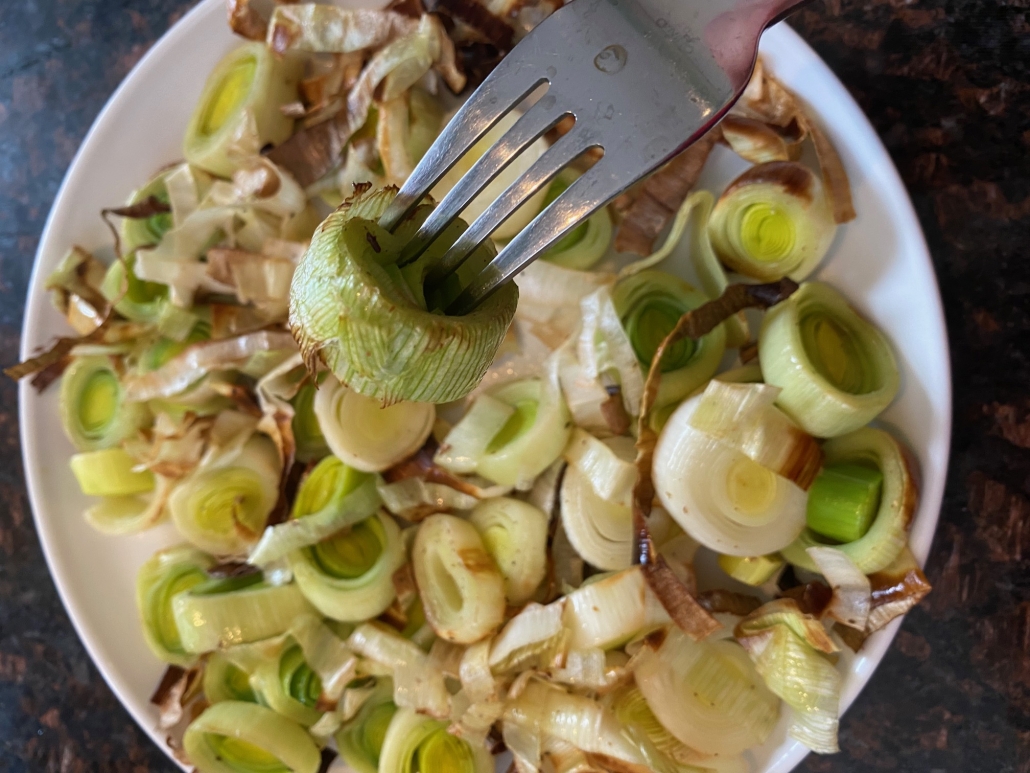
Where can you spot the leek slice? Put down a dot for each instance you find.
(751, 570)
(110, 473)
(349, 575)
(311, 444)
(223, 510)
(612, 610)
(360, 741)
(417, 744)
(225, 681)
(366, 435)
(238, 737)
(888, 534)
(843, 500)
(836, 370)
(354, 308)
(775, 220)
(209, 620)
(461, 588)
(241, 101)
(587, 243)
(707, 694)
(287, 684)
(515, 535)
(165, 575)
(94, 412)
(649, 304)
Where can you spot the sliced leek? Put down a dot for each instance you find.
(240, 106)
(887, 535)
(94, 412)
(366, 435)
(308, 435)
(515, 535)
(418, 744)
(462, 590)
(609, 611)
(843, 500)
(360, 741)
(751, 570)
(287, 684)
(110, 473)
(165, 575)
(587, 243)
(225, 681)
(775, 220)
(836, 370)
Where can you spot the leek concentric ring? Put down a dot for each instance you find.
(165, 575)
(94, 412)
(417, 744)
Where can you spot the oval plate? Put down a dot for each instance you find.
(881, 262)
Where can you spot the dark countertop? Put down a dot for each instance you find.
(946, 84)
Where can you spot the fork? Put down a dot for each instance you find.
(643, 79)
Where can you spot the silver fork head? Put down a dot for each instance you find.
(642, 78)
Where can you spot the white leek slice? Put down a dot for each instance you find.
(707, 694)
(417, 744)
(365, 435)
(515, 535)
(467, 442)
(237, 737)
(207, 622)
(603, 347)
(610, 611)
(720, 496)
(527, 634)
(852, 591)
(461, 588)
(166, 574)
(360, 741)
(837, 371)
(414, 498)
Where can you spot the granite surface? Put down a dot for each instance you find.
(946, 84)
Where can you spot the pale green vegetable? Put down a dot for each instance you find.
(417, 744)
(515, 535)
(609, 611)
(368, 319)
(630, 707)
(836, 370)
(110, 473)
(707, 694)
(287, 684)
(587, 243)
(888, 533)
(165, 575)
(775, 220)
(751, 570)
(461, 588)
(94, 412)
(223, 510)
(532, 632)
(311, 444)
(241, 103)
(360, 741)
(239, 737)
(225, 681)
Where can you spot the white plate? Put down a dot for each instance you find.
(880, 261)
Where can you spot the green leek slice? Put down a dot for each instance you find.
(837, 372)
(109, 473)
(163, 577)
(94, 412)
(360, 741)
(287, 684)
(311, 444)
(843, 500)
(352, 307)
(417, 744)
(586, 243)
(225, 681)
(241, 99)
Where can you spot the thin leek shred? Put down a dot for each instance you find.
(836, 370)
(360, 741)
(786, 647)
(235, 737)
(95, 411)
(417, 743)
(462, 590)
(166, 574)
(514, 533)
(895, 589)
(311, 444)
(328, 29)
(390, 347)
(886, 537)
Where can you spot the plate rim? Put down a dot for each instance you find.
(876, 647)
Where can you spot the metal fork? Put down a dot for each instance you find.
(643, 80)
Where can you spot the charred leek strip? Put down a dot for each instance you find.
(886, 537)
(586, 243)
(836, 370)
(94, 412)
(241, 102)
(237, 737)
(417, 744)
(165, 575)
(515, 535)
(361, 740)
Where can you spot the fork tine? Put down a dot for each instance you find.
(541, 117)
(540, 174)
(509, 83)
(588, 194)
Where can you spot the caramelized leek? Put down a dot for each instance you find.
(611, 610)
(165, 575)
(94, 412)
(836, 370)
(515, 535)
(417, 744)
(308, 435)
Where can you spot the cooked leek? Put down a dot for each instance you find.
(360, 741)
(366, 435)
(223, 510)
(649, 304)
(287, 684)
(751, 570)
(221, 615)
(843, 500)
(349, 575)
(888, 533)
(417, 744)
(775, 220)
(238, 737)
(610, 611)
(368, 319)
(515, 535)
(147, 231)
(110, 473)
(307, 433)
(587, 243)
(224, 681)
(836, 370)
(166, 574)
(706, 693)
(94, 412)
(462, 590)
(240, 106)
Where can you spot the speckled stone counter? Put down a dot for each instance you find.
(946, 84)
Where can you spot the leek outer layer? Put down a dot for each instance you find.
(836, 370)
(242, 96)
(350, 308)
(165, 575)
(93, 409)
(888, 534)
